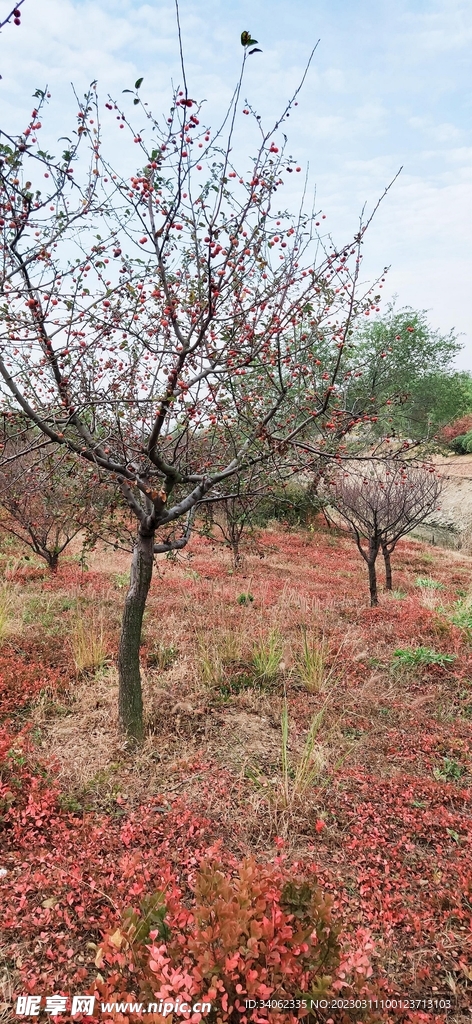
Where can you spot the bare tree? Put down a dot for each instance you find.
(381, 502)
(231, 510)
(47, 497)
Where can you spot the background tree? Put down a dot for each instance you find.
(140, 311)
(381, 502)
(47, 497)
(398, 384)
(232, 509)
(404, 371)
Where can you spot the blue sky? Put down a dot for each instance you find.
(389, 86)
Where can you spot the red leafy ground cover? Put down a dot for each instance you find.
(70, 880)
(22, 679)
(390, 844)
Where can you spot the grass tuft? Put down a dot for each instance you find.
(267, 655)
(311, 663)
(87, 641)
(6, 613)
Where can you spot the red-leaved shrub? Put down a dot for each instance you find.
(456, 429)
(251, 932)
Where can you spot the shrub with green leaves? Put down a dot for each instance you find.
(457, 444)
(294, 506)
(450, 770)
(413, 656)
(427, 583)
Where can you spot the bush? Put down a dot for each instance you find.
(460, 427)
(250, 931)
(462, 444)
(293, 506)
(457, 444)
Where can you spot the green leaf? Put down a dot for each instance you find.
(126, 90)
(247, 40)
(136, 101)
(255, 50)
(138, 84)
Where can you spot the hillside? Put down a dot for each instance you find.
(382, 817)
(452, 525)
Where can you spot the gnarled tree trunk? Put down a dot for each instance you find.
(130, 701)
(52, 558)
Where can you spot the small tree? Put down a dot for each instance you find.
(381, 503)
(232, 508)
(140, 311)
(48, 497)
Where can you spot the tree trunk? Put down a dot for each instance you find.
(235, 553)
(52, 558)
(371, 557)
(130, 694)
(388, 569)
(374, 600)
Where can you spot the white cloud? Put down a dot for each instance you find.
(372, 100)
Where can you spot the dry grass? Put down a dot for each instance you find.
(431, 599)
(6, 986)
(84, 737)
(199, 639)
(6, 612)
(311, 663)
(87, 640)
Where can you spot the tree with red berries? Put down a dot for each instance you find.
(144, 314)
(14, 15)
(381, 502)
